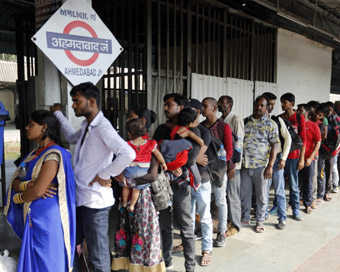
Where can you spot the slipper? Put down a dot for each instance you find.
(177, 249)
(206, 258)
(259, 227)
(245, 223)
(313, 206)
(327, 197)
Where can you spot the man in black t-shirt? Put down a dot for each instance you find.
(173, 104)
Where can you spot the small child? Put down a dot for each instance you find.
(172, 148)
(144, 148)
(186, 120)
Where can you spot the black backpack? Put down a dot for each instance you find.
(331, 143)
(296, 140)
(217, 168)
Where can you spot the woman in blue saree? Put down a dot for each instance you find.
(41, 208)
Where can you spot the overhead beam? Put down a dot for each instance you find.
(320, 10)
(274, 7)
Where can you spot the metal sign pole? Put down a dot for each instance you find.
(3, 176)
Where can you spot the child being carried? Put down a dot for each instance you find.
(144, 148)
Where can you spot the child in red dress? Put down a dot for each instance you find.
(144, 148)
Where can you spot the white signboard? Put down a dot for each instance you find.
(77, 41)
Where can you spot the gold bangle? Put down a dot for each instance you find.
(17, 198)
(23, 186)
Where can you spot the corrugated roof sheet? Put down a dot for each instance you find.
(8, 71)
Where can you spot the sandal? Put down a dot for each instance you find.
(259, 227)
(245, 223)
(327, 197)
(313, 206)
(206, 258)
(177, 249)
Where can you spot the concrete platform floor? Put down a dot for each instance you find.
(307, 246)
(312, 245)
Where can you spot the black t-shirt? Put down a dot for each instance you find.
(206, 137)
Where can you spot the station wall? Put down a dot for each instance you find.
(304, 67)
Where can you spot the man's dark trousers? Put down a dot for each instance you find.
(181, 210)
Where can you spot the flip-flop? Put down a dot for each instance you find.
(245, 223)
(327, 197)
(177, 249)
(206, 258)
(259, 227)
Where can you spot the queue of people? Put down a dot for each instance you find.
(227, 161)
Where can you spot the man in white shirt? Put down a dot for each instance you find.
(96, 144)
(279, 165)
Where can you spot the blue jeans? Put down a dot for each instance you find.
(221, 203)
(132, 172)
(307, 174)
(325, 169)
(294, 195)
(92, 225)
(279, 188)
(335, 173)
(200, 201)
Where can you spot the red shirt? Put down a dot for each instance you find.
(313, 135)
(301, 130)
(143, 151)
(227, 139)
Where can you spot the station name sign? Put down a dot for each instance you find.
(77, 41)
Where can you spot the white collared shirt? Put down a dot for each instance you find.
(237, 126)
(94, 157)
(287, 140)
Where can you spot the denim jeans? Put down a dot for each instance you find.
(325, 169)
(132, 172)
(335, 173)
(200, 201)
(234, 200)
(181, 210)
(253, 178)
(278, 181)
(321, 177)
(294, 195)
(221, 203)
(315, 179)
(307, 174)
(93, 224)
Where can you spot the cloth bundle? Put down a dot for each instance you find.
(7, 264)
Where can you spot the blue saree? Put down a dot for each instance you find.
(46, 226)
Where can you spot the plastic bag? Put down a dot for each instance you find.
(7, 264)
